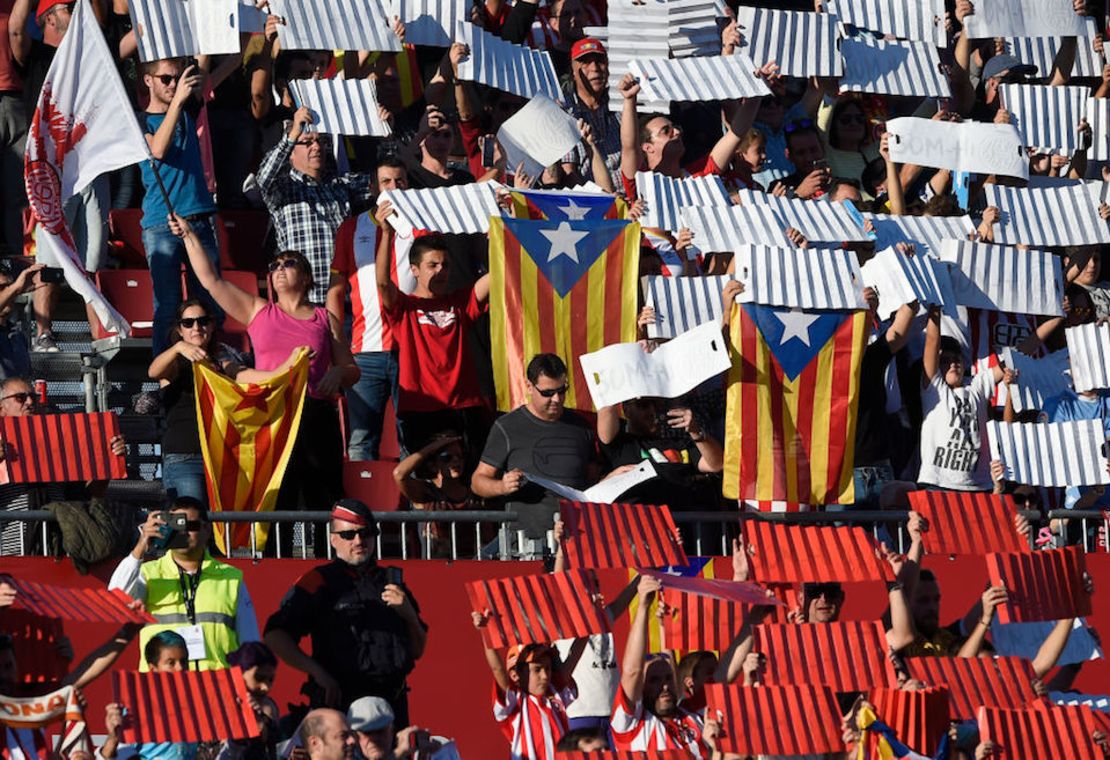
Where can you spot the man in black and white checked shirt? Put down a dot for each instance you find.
(307, 199)
(588, 95)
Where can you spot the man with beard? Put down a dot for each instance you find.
(365, 626)
(646, 714)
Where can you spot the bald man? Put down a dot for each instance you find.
(326, 735)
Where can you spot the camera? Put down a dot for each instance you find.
(174, 534)
(13, 265)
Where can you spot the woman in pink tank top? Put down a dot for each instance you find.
(314, 476)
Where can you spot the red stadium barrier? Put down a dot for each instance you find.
(83, 605)
(1054, 731)
(776, 720)
(968, 523)
(620, 535)
(191, 706)
(535, 609)
(846, 656)
(803, 553)
(1044, 585)
(60, 448)
(976, 681)
(919, 718)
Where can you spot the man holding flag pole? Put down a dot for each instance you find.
(83, 126)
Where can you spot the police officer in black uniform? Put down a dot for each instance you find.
(365, 626)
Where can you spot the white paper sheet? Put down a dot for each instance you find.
(625, 371)
(538, 135)
(605, 492)
(967, 146)
(1024, 18)
(899, 279)
(216, 25)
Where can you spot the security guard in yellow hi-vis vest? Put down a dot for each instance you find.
(186, 590)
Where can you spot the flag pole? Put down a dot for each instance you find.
(161, 185)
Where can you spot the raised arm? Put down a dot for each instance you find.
(162, 139)
(930, 359)
(632, 661)
(383, 257)
(630, 128)
(742, 119)
(414, 490)
(493, 657)
(101, 658)
(238, 303)
(894, 191)
(992, 597)
(608, 423)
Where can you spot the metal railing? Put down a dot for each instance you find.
(402, 534)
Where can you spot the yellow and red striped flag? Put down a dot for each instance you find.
(791, 407)
(563, 286)
(246, 436)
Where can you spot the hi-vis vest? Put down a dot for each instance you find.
(216, 601)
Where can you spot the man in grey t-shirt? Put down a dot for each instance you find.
(540, 438)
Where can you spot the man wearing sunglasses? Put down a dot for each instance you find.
(18, 399)
(170, 126)
(186, 590)
(364, 624)
(540, 438)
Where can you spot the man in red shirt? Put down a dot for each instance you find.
(438, 382)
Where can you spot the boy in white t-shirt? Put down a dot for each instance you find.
(954, 453)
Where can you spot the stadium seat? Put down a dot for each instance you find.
(130, 291)
(125, 235)
(372, 483)
(242, 239)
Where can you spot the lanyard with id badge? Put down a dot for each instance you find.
(193, 633)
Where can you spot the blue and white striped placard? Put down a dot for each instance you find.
(682, 303)
(1051, 454)
(335, 25)
(1001, 278)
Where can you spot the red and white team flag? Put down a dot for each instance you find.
(83, 126)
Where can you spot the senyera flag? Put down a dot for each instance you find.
(83, 126)
(566, 287)
(791, 406)
(190, 706)
(246, 437)
(82, 605)
(538, 609)
(620, 535)
(775, 720)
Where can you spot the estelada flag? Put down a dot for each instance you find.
(246, 437)
(791, 405)
(556, 205)
(565, 287)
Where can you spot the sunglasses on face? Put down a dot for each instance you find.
(189, 322)
(549, 392)
(20, 398)
(166, 79)
(283, 264)
(851, 118)
(193, 526)
(349, 535)
(794, 126)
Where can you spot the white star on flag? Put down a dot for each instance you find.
(574, 212)
(795, 324)
(564, 241)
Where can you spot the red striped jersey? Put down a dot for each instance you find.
(533, 725)
(634, 728)
(356, 241)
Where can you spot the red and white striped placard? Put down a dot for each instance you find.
(845, 656)
(190, 706)
(775, 720)
(620, 535)
(83, 605)
(968, 523)
(1044, 585)
(812, 554)
(919, 717)
(538, 609)
(60, 448)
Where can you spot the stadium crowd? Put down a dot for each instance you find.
(393, 320)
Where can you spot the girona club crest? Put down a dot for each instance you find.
(42, 168)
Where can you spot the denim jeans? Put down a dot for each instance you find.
(183, 475)
(165, 253)
(869, 482)
(366, 402)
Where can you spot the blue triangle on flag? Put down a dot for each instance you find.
(572, 208)
(693, 570)
(563, 250)
(795, 336)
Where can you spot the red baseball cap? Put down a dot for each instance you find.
(45, 5)
(585, 46)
